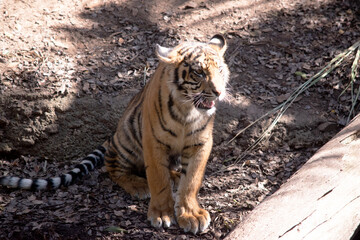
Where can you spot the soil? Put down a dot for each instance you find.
(68, 69)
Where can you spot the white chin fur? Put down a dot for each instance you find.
(211, 111)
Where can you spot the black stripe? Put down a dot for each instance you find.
(160, 106)
(89, 166)
(129, 152)
(176, 75)
(202, 128)
(191, 83)
(63, 181)
(180, 87)
(193, 51)
(134, 148)
(162, 72)
(184, 49)
(176, 80)
(181, 50)
(160, 116)
(193, 145)
(138, 124)
(83, 170)
(92, 160)
(162, 124)
(140, 128)
(120, 153)
(124, 171)
(100, 157)
(172, 113)
(111, 161)
(102, 149)
(110, 154)
(114, 165)
(120, 167)
(160, 100)
(18, 185)
(140, 172)
(162, 190)
(118, 163)
(196, 87)
(196, 57)
(132, 122)
(190, 70)
(196, 51)
(183, 171)
(74, 177)
(129, 131)
(34, 185)
(158, 140)
(51, 184)
(183, 74)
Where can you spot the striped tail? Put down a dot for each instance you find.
(89, 163)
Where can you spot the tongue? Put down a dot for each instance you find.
(208, 104)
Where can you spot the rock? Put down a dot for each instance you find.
(5, 147)
(52, 128)
(327, 126)
(27, 141)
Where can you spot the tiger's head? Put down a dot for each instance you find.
(200, 74)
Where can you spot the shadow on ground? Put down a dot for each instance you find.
(112, 55)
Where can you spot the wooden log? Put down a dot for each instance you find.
(320, 201)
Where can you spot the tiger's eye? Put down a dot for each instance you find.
(199, 72)
(185, 64)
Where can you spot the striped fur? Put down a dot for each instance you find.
(166, 133)
(88, 164)
(164, 138)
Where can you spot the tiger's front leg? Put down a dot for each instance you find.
(161, 206)
(190, 216)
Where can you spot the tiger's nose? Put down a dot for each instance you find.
(217, 92)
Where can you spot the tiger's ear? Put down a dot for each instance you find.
(218, 42)
(163, 53)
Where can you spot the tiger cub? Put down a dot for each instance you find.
(164, 138)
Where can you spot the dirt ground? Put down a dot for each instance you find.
(68, 69)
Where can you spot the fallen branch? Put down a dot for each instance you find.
(320, 201)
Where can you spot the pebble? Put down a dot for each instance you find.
(52, 128)
(327, 126)
(27, 141)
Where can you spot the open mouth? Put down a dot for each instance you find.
(205, 104)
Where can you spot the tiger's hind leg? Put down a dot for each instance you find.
(134, 185)
(127, 175)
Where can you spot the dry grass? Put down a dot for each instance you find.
(279, 110)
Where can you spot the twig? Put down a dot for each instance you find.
(281, 109)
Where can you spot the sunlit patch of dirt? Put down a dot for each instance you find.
(68, 69)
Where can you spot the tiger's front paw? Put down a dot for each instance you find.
(192, 218)
(161, 215)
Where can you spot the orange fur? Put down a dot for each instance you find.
(164, 138)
